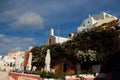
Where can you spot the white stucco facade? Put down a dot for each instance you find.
(52, 39)
(12, 61)
(92, 20)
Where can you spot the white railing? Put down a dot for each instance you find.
(97, 75)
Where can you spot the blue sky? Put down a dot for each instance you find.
(27, 22)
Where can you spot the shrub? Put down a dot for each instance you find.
(50, 75)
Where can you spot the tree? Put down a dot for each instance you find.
(38, 54)
(91, 47)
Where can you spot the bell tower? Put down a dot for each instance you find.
(51, 31)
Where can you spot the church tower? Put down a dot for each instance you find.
(52, 31)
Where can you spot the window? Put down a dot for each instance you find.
(49, 41)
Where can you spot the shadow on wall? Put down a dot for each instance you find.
(116, 67)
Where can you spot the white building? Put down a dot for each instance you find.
(16, 61)
(52, 39)
(92, 20)
(12, 61)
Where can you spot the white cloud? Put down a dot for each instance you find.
(27, 39)
(16, 49)
(20, 40)
(9, 15)
(28, 19)
(14, 40)
(1, 36)
(14, 43)
(3, 40)
(16, 18)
